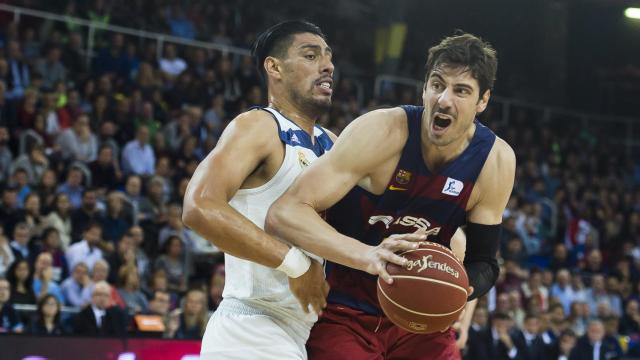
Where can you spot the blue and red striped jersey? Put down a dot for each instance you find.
(415, 198)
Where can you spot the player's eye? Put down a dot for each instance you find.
(464, 91)
(436, 86)
(310, 56)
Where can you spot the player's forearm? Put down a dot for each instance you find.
(470, 308)
(233, 233)
(302, 226)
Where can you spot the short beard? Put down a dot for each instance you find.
(309, 105)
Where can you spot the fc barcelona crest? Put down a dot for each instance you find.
(302, 160)
(403, 177)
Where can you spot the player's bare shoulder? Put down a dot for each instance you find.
(257, 125)
(502, 160)
(384, 129)
(495, 181)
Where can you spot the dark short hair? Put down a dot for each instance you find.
(276, 40)
(469, 51)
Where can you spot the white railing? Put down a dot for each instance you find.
(93, 26)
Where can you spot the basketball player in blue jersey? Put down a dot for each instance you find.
(270, 286)
(431, 168)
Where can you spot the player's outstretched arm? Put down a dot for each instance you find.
(483, 223)
(364, 145)
(248, 142)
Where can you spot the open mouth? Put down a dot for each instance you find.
(441, 122)
(325, 86)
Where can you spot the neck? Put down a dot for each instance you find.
(438, 155)
(304, 118)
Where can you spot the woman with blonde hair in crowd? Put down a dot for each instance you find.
(190, 321)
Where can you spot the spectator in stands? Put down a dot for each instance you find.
(6, 156)
(31, 214)
(561, 348)
(630, 321)
(47, 321)
(594, 345)
(43, 282)
(21, 280)
(133, 191)
(87, 250)
(20, 243)
(34, 163)
(51, 244)
(560, 258)
(175, 227)
(51, 68)
(598, 294)
(129, 290)
(171, 65)
(160, 305)
(146, 118)
(60, 219)
(73, 57)
(562, 289)
(72, 187)
(27, 110)
(78, 142)
(190, 321)
(115, 222)
(174, 263)
(138, 157)
(105, 170)
(86, 214)
(494, 342)
(9, 321)
(75, 287)
(215, 116)
(533, 288)
(52, 121)
(19, 74)
(579, 317)
(100, 272)
(100, 318)
(159, 282)
(9, 209)
(179, 129)
(7, 258)
(124, 255)
(48, 189)
(21, 181)
(528, 340)
(216, 285)
(142, 259)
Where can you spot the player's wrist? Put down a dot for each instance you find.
(295, 263)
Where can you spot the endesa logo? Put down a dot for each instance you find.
(417, 222)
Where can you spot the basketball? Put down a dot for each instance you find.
(429, 293)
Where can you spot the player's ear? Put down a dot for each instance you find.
(273, 67)
(484, 100)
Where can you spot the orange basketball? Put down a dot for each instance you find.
(429, 293)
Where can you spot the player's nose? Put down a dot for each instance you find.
(326, 66)
(445, 99)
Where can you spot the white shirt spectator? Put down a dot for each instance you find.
(138, 158)
(81, 251)
(173, 66)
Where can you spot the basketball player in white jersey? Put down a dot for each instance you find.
(270, 286)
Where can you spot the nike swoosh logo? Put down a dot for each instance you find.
(393, 188)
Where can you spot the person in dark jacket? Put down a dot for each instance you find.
(100, 318)
(47, 321)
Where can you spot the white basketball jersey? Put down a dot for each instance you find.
(253, 283)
